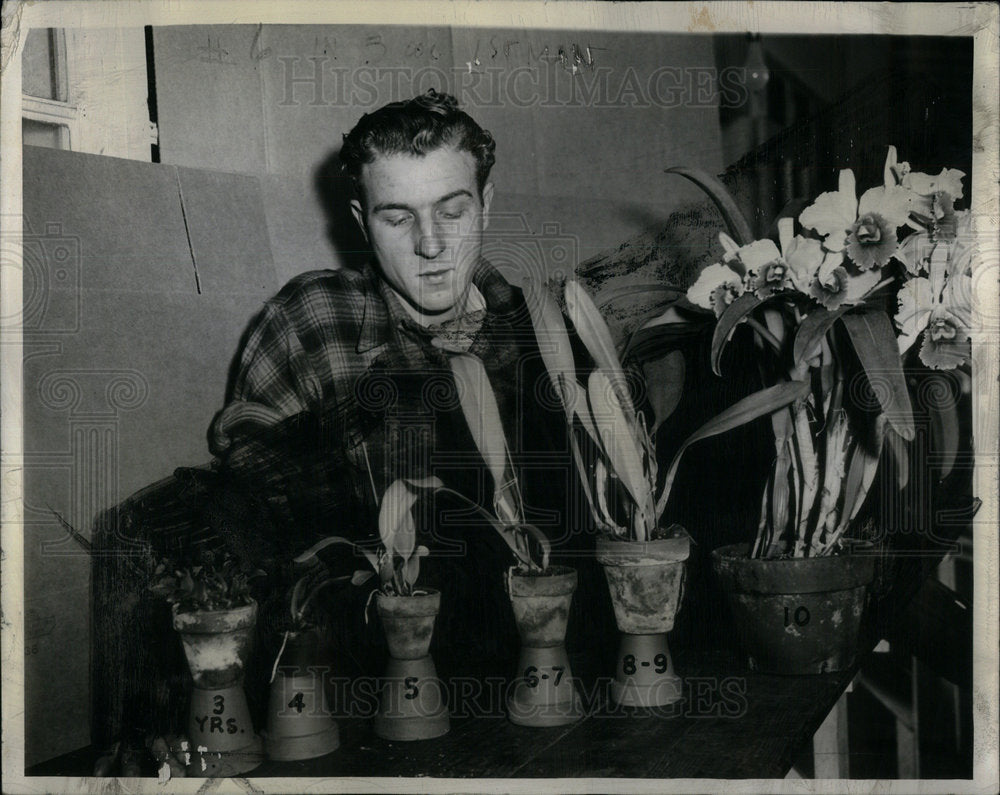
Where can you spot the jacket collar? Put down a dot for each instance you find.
(384, 313)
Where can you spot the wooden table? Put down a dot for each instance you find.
(730, 724)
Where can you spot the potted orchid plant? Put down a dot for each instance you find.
(411, 705)
(540, 593)
(214, 614)
(612, 443)
(825, 304)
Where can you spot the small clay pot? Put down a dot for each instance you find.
(544, 693)
(300, 725)
(412, 704)
(646, 581)
(796, 615)
(541, 605)
(408, 622)
(216, 643)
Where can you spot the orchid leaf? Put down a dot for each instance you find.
(424, 484)
(396, 503)
(553, 338)
(319, 546)
(593, 331)
(738, 227)
(653, 339)
(601, 481)
(944, 426)
(740, 413)
(361, 576)
(541, 540)
(728, 321)
(616, 434)
(584, 479)
(861, 471)
(873, 338)
(664, 384)
(411, 569)
(479, 405)
(577, 398)
(812, 330)
(900, 456)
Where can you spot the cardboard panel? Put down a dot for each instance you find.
(298, 227)
(316, 81)
(208, 97)
(120, 221)
(647, 102)
(125, 365)
(227, 232)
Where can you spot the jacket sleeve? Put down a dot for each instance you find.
(274, 380)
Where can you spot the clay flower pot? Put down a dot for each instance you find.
(216, 644)
(299, 724)
(646, 582)
(796, 615)
(544, 695)
(411, 704)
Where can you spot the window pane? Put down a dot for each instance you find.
(43, 133)
(42, 73)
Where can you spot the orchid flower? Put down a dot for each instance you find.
(716, 288)
(933, 198)
(938, 305)
(864, 229)
(758, 267)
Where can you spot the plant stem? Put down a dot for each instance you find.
(810, 473)
(764, 334)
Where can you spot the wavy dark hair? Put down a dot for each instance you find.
(417, 126)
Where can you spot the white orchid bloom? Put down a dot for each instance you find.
(865, 228)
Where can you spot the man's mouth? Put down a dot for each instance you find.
(435, 277)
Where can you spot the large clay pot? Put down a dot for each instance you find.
(796, 615)
(544, 694)
(646, 582)
(299, 724)
(412, 704)
(216, 644)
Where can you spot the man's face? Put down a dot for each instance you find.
(424, 219)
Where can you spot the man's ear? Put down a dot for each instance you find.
(359, 215)
(487, 201)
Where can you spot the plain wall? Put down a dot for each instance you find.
(579, 154)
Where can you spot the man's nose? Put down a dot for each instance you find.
(430, 241)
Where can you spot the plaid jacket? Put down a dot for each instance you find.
(335, 357)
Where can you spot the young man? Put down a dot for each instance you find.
(343, 385)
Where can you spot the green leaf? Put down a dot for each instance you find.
(593, 331)
(900, 456)
(875, 342)
(861, 472)
(812, 330)
(740, 413)
(319, 546)
(664, 384)
(479, 405)
(944, 426)
(737, 225)
(543, 542)
(618, 440)
(734, 313)
(552, 337)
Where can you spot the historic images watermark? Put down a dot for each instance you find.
(318, 81)
(315, 692)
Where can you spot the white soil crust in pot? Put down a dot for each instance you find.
(541, 603)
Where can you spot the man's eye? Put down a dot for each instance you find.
(453, 214)
(398, 221)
